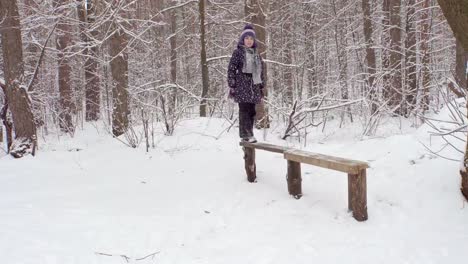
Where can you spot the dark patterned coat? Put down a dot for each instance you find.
(241, 84)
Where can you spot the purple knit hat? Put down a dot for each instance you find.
(248, 31)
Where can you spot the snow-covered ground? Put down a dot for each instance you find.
(90, 199)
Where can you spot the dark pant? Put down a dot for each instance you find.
(246, 119)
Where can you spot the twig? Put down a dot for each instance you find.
(451, 131)
(437, 120)
(460, 151)
(318, 109)
(227, 129)
(127, 258)
(291, 124)
(437, 153)
(150, 255)
(103, 254)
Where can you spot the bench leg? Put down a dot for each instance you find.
(357, 195)
(294, 179)
(250, 167)
(350, 192)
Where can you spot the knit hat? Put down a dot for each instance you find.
(248, 31)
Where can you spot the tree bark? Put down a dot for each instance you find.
(425, 36)
(16, 94)
(370, 54)
(119, 70)
(92, 86)
(5, 120)
(391, 60)
(173, 60)
(314, 88)
(386, 51)
(287, 41)
(460, 68)
(410, 57)
(32, 50)
(8, 125)
(456, 13)
(396, 91)
(31, 59)
(341, 45)
(63, 31)
(204, 65)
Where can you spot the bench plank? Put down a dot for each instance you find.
(325, 161)
(264, 146)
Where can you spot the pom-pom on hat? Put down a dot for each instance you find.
(248, 31)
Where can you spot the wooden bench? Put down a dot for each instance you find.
(356, 170)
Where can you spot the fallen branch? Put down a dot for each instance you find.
(150, 255)
(437, 152)
(127, 258)
(327, 108)
(458, 129)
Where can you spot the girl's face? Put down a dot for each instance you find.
(248, 41)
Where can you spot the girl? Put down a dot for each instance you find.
(246, 81)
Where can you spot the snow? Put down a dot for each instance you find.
(188, 200)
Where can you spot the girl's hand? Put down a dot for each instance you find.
(231, 93)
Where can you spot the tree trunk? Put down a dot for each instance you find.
(386, 51)
(6, 122)
(87, 14)
(173, 93)
(254, 10)
(310, 48)
(396, 92)
(341, 44)
(31, 59)
(187, 20)
(460, 68)
(204, 65)
(391, 59)
(16, 94)
(370, 54)
(173, 58)
(410, 57)
(32, 50)
(287, 47)
(67, 106)
(119, 69)
(456, 13)
(425, 36)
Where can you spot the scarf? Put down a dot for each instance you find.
(252, 64)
